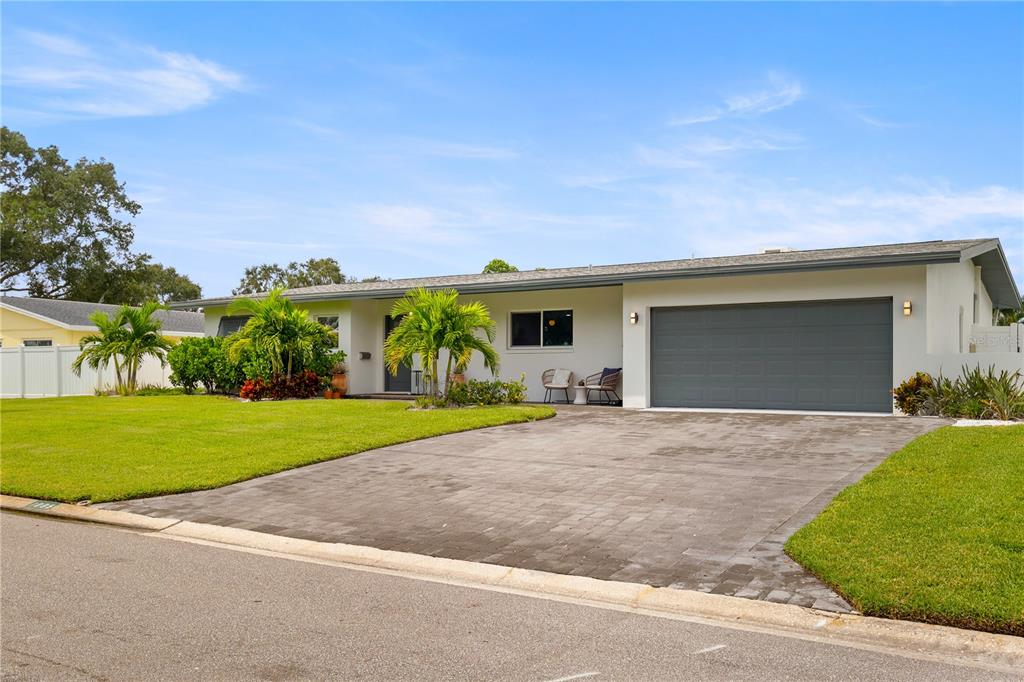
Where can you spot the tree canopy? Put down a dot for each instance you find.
(435, 320)
(499, 265)
(66, 231)
(261, 278)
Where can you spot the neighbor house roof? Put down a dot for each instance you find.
(75, 314)
(985, 252)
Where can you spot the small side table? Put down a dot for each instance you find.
(581, 396)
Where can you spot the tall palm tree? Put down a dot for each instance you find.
(435, 320)
(124, 339)
(277, 329)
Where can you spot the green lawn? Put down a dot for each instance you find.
(108, 448)
(936, 533)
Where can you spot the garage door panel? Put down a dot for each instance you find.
(830, 355)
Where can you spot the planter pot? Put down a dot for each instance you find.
(458, 378)
(340, 384)
(328, 394)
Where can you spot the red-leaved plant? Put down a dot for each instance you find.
(305, 384)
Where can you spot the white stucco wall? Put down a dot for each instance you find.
(597, 334)
(902, 283)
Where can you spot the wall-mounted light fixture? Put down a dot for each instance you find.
(907, 308)
(634, 318)
(364, 355)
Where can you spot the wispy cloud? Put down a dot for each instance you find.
(62, 76)
(780, 92)
(459, 150)
(876, 122)
(734, 214)
(61, 45)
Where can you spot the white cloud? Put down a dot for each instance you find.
(458, 150)
(781, 92)
(710, 145)
(62, 76)
(876, 122)
(61, 45)
(737, 214)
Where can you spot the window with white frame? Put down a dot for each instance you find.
(35, 343)
(331, 322)
(540, 329)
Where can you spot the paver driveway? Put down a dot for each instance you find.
(692, 500)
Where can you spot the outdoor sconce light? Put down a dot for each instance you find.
(634, 318)
(907, 308)
(364, 355)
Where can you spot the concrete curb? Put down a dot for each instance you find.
(920, 639)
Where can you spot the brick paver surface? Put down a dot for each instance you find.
(700, 501)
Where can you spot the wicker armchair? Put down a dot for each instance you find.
(556, 380)
(604, 382)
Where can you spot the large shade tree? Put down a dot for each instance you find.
(66, 231)
(432, 321)
(124, 339)
(277, 330)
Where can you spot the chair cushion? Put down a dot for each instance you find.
(560, 378)
(609, 370)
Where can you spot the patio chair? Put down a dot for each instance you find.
(604, 382)
(556, 380)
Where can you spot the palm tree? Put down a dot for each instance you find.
(435, 320)
(1008, 316)
(124, 339)
(277, 329)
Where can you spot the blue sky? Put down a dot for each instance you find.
(409, 140)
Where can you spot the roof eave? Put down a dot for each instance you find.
(995, 273)
(613, 279)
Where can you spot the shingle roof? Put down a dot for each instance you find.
(76, 313)
(596, 275)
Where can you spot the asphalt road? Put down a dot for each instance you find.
(82, 601)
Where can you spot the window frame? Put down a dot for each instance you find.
(541, 348)
(37, 343)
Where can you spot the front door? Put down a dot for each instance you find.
(401, 382)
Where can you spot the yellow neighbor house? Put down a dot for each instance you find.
(49, 322)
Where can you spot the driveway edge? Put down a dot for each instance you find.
(921, 639)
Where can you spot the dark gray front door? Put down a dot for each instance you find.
(401, 382)
(822, 355)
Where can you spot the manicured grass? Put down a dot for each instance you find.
(117, 448)
(935, 534)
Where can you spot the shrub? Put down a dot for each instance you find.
(204, 361)
(428, 401)
(910, 395)
(305, 384)
(976, 394)
(493, 392)
(253, 389)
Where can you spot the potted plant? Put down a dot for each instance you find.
(339, 378)
(459, 375)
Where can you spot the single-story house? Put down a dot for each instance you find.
(823, 329)
(37, 322)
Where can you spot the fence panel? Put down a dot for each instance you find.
(46, 371)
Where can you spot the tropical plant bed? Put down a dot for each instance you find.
(934, 534)
(101, 449)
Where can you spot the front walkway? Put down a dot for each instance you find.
(699, 501)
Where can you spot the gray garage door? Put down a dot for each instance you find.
(834, 355)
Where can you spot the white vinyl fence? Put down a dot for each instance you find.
(37, 372)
